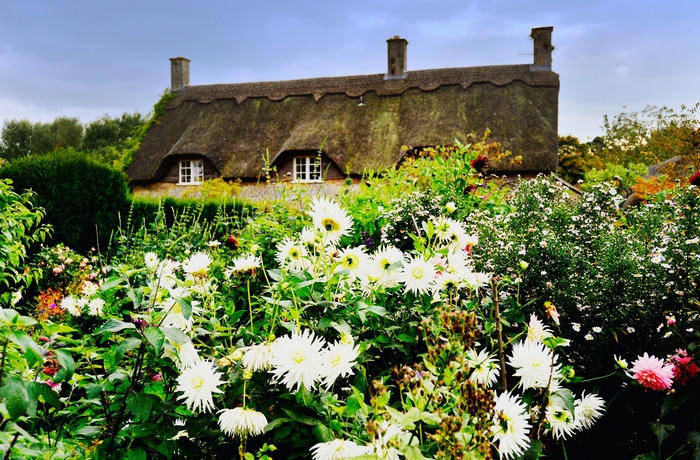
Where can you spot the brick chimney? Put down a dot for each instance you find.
(542, 37)
(179, 74)
(396, 58)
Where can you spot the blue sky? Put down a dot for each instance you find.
(86, 58)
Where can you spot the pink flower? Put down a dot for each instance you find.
(684, 368)
(670, 320)
(652, 372)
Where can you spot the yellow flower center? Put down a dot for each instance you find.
(418, 273)
(330, 225)
(198, 382)
(299, 357)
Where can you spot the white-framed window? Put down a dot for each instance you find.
(191, 172)
(307, 168)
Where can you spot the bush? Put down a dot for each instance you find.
(82, 198)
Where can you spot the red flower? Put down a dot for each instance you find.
(695, 179)
(480, 162)
(232, 243)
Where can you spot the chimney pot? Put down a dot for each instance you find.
(396, 58)
(179, 74)
(542, 37)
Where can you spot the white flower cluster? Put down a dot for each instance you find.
(88, 301)
(316, 251)
(303, 359)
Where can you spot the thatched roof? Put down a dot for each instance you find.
(361, 121)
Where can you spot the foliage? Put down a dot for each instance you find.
(20, 138)
(621, 177)
(135, 142)
(20, 229)
(576, 159)
(81, 198)
(106, 137)
(651, 135)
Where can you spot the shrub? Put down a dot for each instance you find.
(82, 198)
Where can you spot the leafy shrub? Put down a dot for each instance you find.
(82, 198)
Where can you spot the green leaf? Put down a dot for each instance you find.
(406, 338)
(114, 325)
(301, 418)
(39, 389)
(185, 307)
(65, 359)
(323, 433)
(16, 397)
(111, 282)
(155, 337)
(413, 453)
(125, 346)
(89, 431)
(11, 318)
(140, 405)
(135, 454)
(563, 398)
(662, 430)
(175, 335)
(32, 351)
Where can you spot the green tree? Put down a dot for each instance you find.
(651, 136)
(576, 159)
(106, 138)
(16, 139)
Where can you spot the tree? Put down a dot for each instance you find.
(106, 137)
(16, 139)
(651, 136)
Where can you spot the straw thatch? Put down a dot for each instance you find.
(361, 122)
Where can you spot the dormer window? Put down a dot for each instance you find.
(191, 172)
(307, 168)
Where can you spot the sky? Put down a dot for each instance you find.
(87, 58)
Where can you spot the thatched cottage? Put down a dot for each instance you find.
(320, 129)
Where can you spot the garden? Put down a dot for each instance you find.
(432, 312)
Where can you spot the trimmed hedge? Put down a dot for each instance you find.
(82, 198)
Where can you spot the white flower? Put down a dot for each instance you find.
(89, 288)
(151, 260)
(484, 368)
(242, 422)
(257, 357)
(338, 361)
(354, 260)
(96, 306)
(187, 354)
(197, 384)
(588, 409)
(510, 426)
(535, 364)
(384, 266)
(330, 219)
(338, 449)
(561, 421)
(418, 275)
(450, 207)
(245, 264)
(71, 305)
(388, 435)
(197, 264)
(297, 360)
(292, 255)
(476, 280)
(536, 330)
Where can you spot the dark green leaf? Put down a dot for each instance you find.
(135, 454)
(39, 389)
(140, 405)
(65, 359)
(406, 338)
(662, 430)
(125, 346)
(323, 433)
(156, 338)
(89, 431)
(15, 395)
